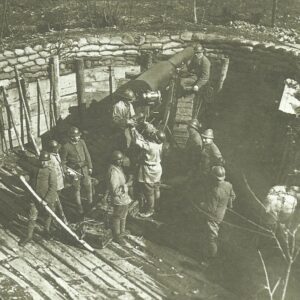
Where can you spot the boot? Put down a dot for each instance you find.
(123, 231)
(79, 204)
(47, 235)
(61, 212)
(28, 238)
(117, 238)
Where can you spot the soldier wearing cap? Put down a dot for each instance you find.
(220, 195)
(123, 117)
(150, 170)
(118, 191)
(43, 180)
(75, 155)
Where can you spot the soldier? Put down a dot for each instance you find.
(211, 155)
(150, 169)
(75, 155)
(123, 117)
(43, 181)
(54, 148)
(220, 195)
(194, 146)
(198, 73)
(118, 191)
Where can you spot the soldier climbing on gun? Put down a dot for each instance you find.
(195, 77)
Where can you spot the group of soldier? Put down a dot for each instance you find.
(142, 176)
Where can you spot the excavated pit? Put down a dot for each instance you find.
(251, 134)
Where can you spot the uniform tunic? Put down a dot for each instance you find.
(43, 181)
(150, 170)
(219, 197)
(57, 166)
(211, 156)
(117, 186)
(77, 157)
(201, 68)
(122, 112)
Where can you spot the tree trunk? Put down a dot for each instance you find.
(274, 12)
(195, 12)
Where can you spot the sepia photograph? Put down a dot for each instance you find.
(149, 149)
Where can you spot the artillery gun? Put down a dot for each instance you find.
(157, 96)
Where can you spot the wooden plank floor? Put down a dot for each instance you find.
(53, 270)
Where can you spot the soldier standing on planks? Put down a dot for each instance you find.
(220, 195)
(123, 117)
(54, 148)
(75, 155)
(150, 170)
(197, 75)
(118, 191)
(43, 180)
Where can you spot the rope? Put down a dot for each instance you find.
(230, 224)
(249, 221)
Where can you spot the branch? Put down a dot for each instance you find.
(266, 275)
(255, 197)
(280, 248)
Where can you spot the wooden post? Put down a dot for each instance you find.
(110, 82)
(80, 88)
(41, 102)
(26, 96)
(56, 87)
(11, 117)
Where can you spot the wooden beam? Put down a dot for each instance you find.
(56, 86)
(80, 88)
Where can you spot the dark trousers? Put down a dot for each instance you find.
(211, 238)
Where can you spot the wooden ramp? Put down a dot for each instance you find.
(57, 270)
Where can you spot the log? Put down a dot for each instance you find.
(58, 220)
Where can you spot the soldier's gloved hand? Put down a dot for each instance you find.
(195, 88)
(90, 171)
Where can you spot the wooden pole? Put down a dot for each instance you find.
(2, 130)
(9, 112)
(25, 97)
(80, 88)
(38, 112)
(56, 87)
(22, 121)
(56, 218)
(274, 12)
(8, 119)
(41, 101)
(26, 113)
(110, 82)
